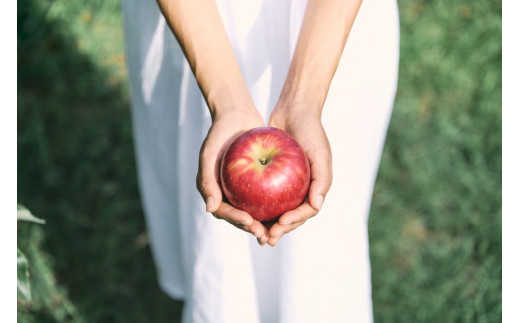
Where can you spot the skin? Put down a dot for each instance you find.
(323, 35)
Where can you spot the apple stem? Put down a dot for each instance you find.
(263, 161)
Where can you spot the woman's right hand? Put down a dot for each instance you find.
(205, 43)
(225, 128)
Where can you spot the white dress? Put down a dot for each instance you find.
(321, 271)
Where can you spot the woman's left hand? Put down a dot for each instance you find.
(308, 131)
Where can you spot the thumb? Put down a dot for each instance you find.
(321, 179)
(210, 192)
(208, 183)
(317, 192)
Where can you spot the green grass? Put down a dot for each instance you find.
(76, 165)
(435, 224)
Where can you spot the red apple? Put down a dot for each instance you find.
(265, 173)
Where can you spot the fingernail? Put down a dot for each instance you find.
(264, 239)
(273, 241)
(210, 204)
(319, 202)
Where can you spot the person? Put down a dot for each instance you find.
(202, 72)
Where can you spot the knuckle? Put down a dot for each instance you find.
(204, 185)
(328, 186)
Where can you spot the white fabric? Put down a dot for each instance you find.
(319, 272)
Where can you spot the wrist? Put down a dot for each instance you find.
(229, 100)
(302, 94)
(301, 100)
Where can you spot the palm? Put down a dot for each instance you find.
(223, 131)
(309, 133)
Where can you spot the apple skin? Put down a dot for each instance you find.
(265, 173)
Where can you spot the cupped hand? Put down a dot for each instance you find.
(225, 128)
(308, 131)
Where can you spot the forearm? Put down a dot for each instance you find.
(324, 31)
(200, 32)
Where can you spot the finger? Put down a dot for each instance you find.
(278, 230)
(211, 194)
(262, 241)
(321, 179)
(264, 236)
(243, 221)
(236, 217)
(301, 213)
(257, 229)
(207, 180)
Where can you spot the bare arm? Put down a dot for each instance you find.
(198, 28)
(324, 32)
(201, 34)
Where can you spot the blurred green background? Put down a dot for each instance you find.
(435, 223)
